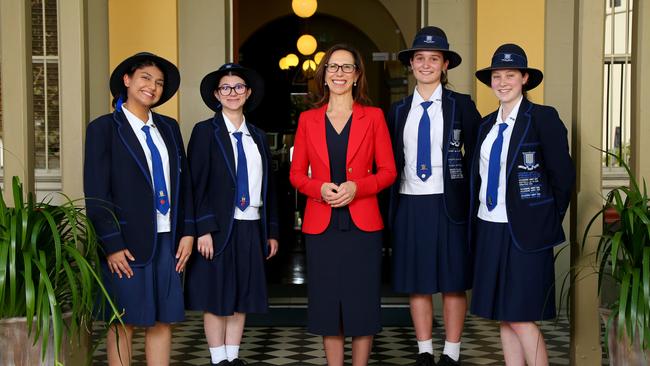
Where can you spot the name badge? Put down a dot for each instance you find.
(455, 156)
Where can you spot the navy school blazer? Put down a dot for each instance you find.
(461, 119)
(539, 177)
(212, 163)
(120, 199)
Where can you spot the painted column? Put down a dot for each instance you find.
(640, 90)
(17, 89)
(589, 30)
(73, 94)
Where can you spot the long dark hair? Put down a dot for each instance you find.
(359, 92)
(135, 66)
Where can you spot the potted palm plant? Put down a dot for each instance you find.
(623, 259)
(49, 279)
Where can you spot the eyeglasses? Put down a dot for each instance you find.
(347, 68)
(226, 89)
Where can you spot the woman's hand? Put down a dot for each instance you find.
(205, 246)
(183, 253)
(118, 263)
(345, 194)
(328, 191)
(273, 247)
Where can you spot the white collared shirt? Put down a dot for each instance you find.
(254, 167)
(411, 182)
(499, 213)
(163, 223)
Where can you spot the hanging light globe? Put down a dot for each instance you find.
(283, 64)
(292, 60)
(318, 57)
(304, 8)
(309, 65)
(306, 44)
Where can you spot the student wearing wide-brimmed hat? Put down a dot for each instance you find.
(521, 182)
(433, 133)
(139, 198)
(236, 211)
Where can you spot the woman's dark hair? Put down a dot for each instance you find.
(136, 66)
(359, 92)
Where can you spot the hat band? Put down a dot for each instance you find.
(509, 60)
(430, 42)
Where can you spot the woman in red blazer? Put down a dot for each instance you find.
(341, 141)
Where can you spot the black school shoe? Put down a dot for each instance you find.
(222, 363)
(238, 362)
(425, 359)
(448, 361)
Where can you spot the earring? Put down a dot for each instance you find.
(354, 84)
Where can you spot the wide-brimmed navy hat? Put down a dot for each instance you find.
(510, 56)
(253, 80)
(169, 70)
(430, 39)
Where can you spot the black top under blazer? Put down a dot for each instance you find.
(535, 222)
(120, 199)
(212, 162)
(458, 112)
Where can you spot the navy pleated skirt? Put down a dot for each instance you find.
(430, 253)
(233, 281)
(343, 281)
(509, 284)
(154, 293)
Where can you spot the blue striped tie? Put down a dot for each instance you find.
(162, 200)
(424, 144)
(243, 199)
(494, 167)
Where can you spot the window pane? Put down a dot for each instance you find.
(38, 70)
(37, 28)
(51, 41)
(53, 146)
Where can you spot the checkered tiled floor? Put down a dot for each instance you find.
(291, 346)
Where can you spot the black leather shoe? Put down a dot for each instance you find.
(425, 359)
(447, 361)
(238, 362)
(222, 363)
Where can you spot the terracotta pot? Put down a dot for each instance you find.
(622, 352)
(18, 349)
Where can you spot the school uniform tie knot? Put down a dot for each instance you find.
(159, 185)
(494, 169)
(423, 167)
(243, 198)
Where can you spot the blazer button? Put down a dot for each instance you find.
(368, 170)
(350, 170)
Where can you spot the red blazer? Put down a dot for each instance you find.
(369, 143)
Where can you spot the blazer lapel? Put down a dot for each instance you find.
(358, 130)
(223, 142)
(132, 144)
(318, 137)
(448, 114)
(260, 142)
(401, 113)
(519, 131)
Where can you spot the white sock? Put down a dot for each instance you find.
(232, 351)
(452, 350)
(425, 346)
(218, 354)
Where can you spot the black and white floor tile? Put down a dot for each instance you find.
(292, 346)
